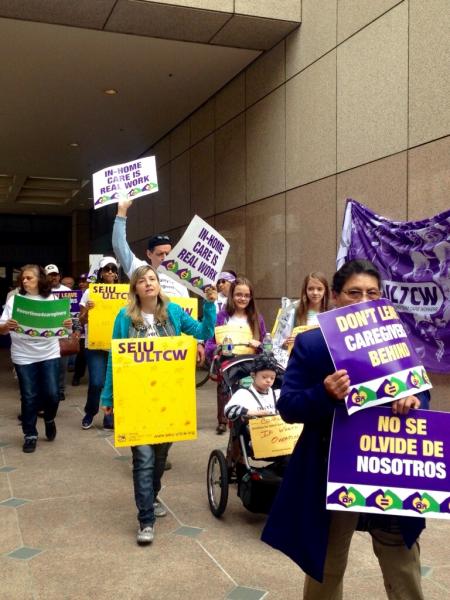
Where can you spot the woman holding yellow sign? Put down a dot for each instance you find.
(241, 313)
(96, 360)
(151, 314)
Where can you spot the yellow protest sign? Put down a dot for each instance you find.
(154, 390)
(271, 436)
(300, 329)
(189, 305)
(239, 335)
(108, 300)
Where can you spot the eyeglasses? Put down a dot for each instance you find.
(111, 268)
(244, 296)
(356, 294)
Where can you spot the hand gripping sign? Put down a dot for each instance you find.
(198, 258)
(154, 390)
(370, 342)
(384, 463)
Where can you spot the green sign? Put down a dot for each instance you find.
(39, 318)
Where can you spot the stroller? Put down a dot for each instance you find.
(256, 485)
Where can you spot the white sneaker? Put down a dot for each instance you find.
(145, 535)
(159, 509)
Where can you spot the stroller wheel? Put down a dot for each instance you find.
(217, 482)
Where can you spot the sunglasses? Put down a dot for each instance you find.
(111, 268)
(220, 281)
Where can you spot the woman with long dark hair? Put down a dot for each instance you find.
(241, 311)
(35, 359)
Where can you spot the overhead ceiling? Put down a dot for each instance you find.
(57, 126)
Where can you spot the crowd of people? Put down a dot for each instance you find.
(311, 392)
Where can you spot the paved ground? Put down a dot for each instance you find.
(67, 523)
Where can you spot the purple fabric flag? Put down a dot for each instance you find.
(414, 261)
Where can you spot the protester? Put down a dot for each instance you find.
(54, 278)
(83, 282)
(36, 360)
(240, 310)
(224, 282)
(68, 281)
(80, 359)
(96, 360)
(159, 246)
(314, 299)
(150, 313)
(299, 524)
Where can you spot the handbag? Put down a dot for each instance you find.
(69, 345)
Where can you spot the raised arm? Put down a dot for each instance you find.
(120, 245)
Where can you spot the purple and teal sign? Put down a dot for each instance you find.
(369, 341)
(385, 463)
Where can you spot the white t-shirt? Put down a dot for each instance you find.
(168, 285)
(238, 321)
(244, 399)
(25, 349)
(61, 288)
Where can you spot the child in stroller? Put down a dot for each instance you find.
(257, 485)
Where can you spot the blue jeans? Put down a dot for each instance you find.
(39, 388)
(148, 469)
(97, 361)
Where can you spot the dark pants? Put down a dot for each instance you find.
(39, 388)
(80, 362)
(63, 365)
(97, 361)
(223, 396)
(148, 469)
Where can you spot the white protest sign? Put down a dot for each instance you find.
(198, 258)
(126, 181)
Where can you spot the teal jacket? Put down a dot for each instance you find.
(181, 322)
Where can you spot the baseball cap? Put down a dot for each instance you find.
(226, 276)
(83, 276)
(158, 240)
(51, 269)
(107, 260)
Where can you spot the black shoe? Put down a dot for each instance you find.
(76, 381)
(50, 430)
(62, 396)
(168, 465)
(29, 445)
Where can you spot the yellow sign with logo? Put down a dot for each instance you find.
(300, 329)
(240, 336)
(108, 300)
(189, 305)
(271, 436)
(154, 390)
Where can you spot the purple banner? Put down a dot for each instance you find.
(380, 462)
(414, 261)
(369, 341)
(74, 297)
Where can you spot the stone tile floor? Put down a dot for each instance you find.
(68, 525)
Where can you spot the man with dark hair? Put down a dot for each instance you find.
(158, 248)
(299, 525)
